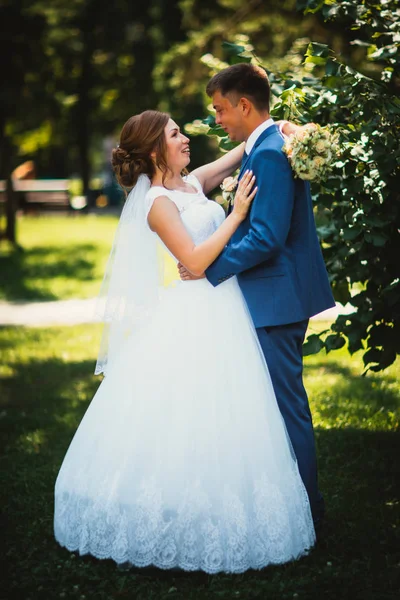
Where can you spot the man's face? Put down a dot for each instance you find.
(230, 117)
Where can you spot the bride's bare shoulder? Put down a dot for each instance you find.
(162, 208)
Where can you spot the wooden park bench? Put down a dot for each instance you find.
(39, 194)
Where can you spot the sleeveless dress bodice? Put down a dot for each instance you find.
(201, 216)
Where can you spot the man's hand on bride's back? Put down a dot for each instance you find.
(186, 275)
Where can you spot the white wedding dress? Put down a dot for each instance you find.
(182, 458)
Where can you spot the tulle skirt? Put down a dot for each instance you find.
(182, 458)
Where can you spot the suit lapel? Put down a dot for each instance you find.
(261, 138)
(244, 163)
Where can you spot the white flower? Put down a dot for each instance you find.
(320, 146)
(309, 176)
(311, 127)
(301, 135)
(229, 184)
(228, 187)
(318, 162)
(357, 150)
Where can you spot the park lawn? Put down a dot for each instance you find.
(46, 384)
(60, 257)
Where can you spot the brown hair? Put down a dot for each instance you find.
(140, 136)
(242, 80)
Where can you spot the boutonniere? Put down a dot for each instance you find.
(228, 187)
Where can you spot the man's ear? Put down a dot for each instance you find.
(245, 106)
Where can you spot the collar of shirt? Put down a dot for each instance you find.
(253, 137)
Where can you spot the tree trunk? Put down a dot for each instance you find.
(5, 173)
(11, 212)
(83, 133)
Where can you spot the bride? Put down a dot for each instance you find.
(182, 458)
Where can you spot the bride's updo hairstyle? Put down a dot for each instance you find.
(141, 136)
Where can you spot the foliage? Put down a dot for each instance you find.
(358, 206)
(46, 384)
(82, 67)
(361, 200)
(73, 79)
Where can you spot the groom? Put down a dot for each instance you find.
(275, 254)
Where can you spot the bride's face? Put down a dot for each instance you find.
(178, 153)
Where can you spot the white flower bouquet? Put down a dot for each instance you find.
(311, 151)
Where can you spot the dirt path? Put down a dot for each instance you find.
(41, 314)
(74, 312)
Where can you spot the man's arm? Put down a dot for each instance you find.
(212, 174)
(270, 218)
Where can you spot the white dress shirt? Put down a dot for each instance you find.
(253, 137)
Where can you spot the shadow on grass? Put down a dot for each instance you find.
(358, 391)
(51, 395)
(21, 268)
(44, 402)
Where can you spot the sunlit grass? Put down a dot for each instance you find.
(340, 396)
(61, 257)
(46, 385)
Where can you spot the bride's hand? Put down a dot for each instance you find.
(186, 275)
(288, 128)
(244, 195)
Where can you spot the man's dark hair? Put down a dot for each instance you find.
(242, 80)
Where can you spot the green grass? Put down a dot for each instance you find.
(59, 257)
(45, 387)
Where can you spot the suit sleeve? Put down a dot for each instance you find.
(270, 218)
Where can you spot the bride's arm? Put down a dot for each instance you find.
(165, 220)
(213, 173)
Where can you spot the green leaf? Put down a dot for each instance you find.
(316, 49)
(312, 345)
(383, 357)
(232, 48)
(217, 131)
(341, 292)
(381, 335)
(377, 239)
(240, 58)
(226, 143)
(332, 67)
(355, 341)
(317, 60)
(334, 342)
(351, 233)
(209, 120)
(313, 6)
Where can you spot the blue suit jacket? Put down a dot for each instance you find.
(275, 252)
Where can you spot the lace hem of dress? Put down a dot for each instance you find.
(273, 528)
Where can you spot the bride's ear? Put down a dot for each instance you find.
(153, 158)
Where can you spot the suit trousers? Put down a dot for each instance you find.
(282, 348)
